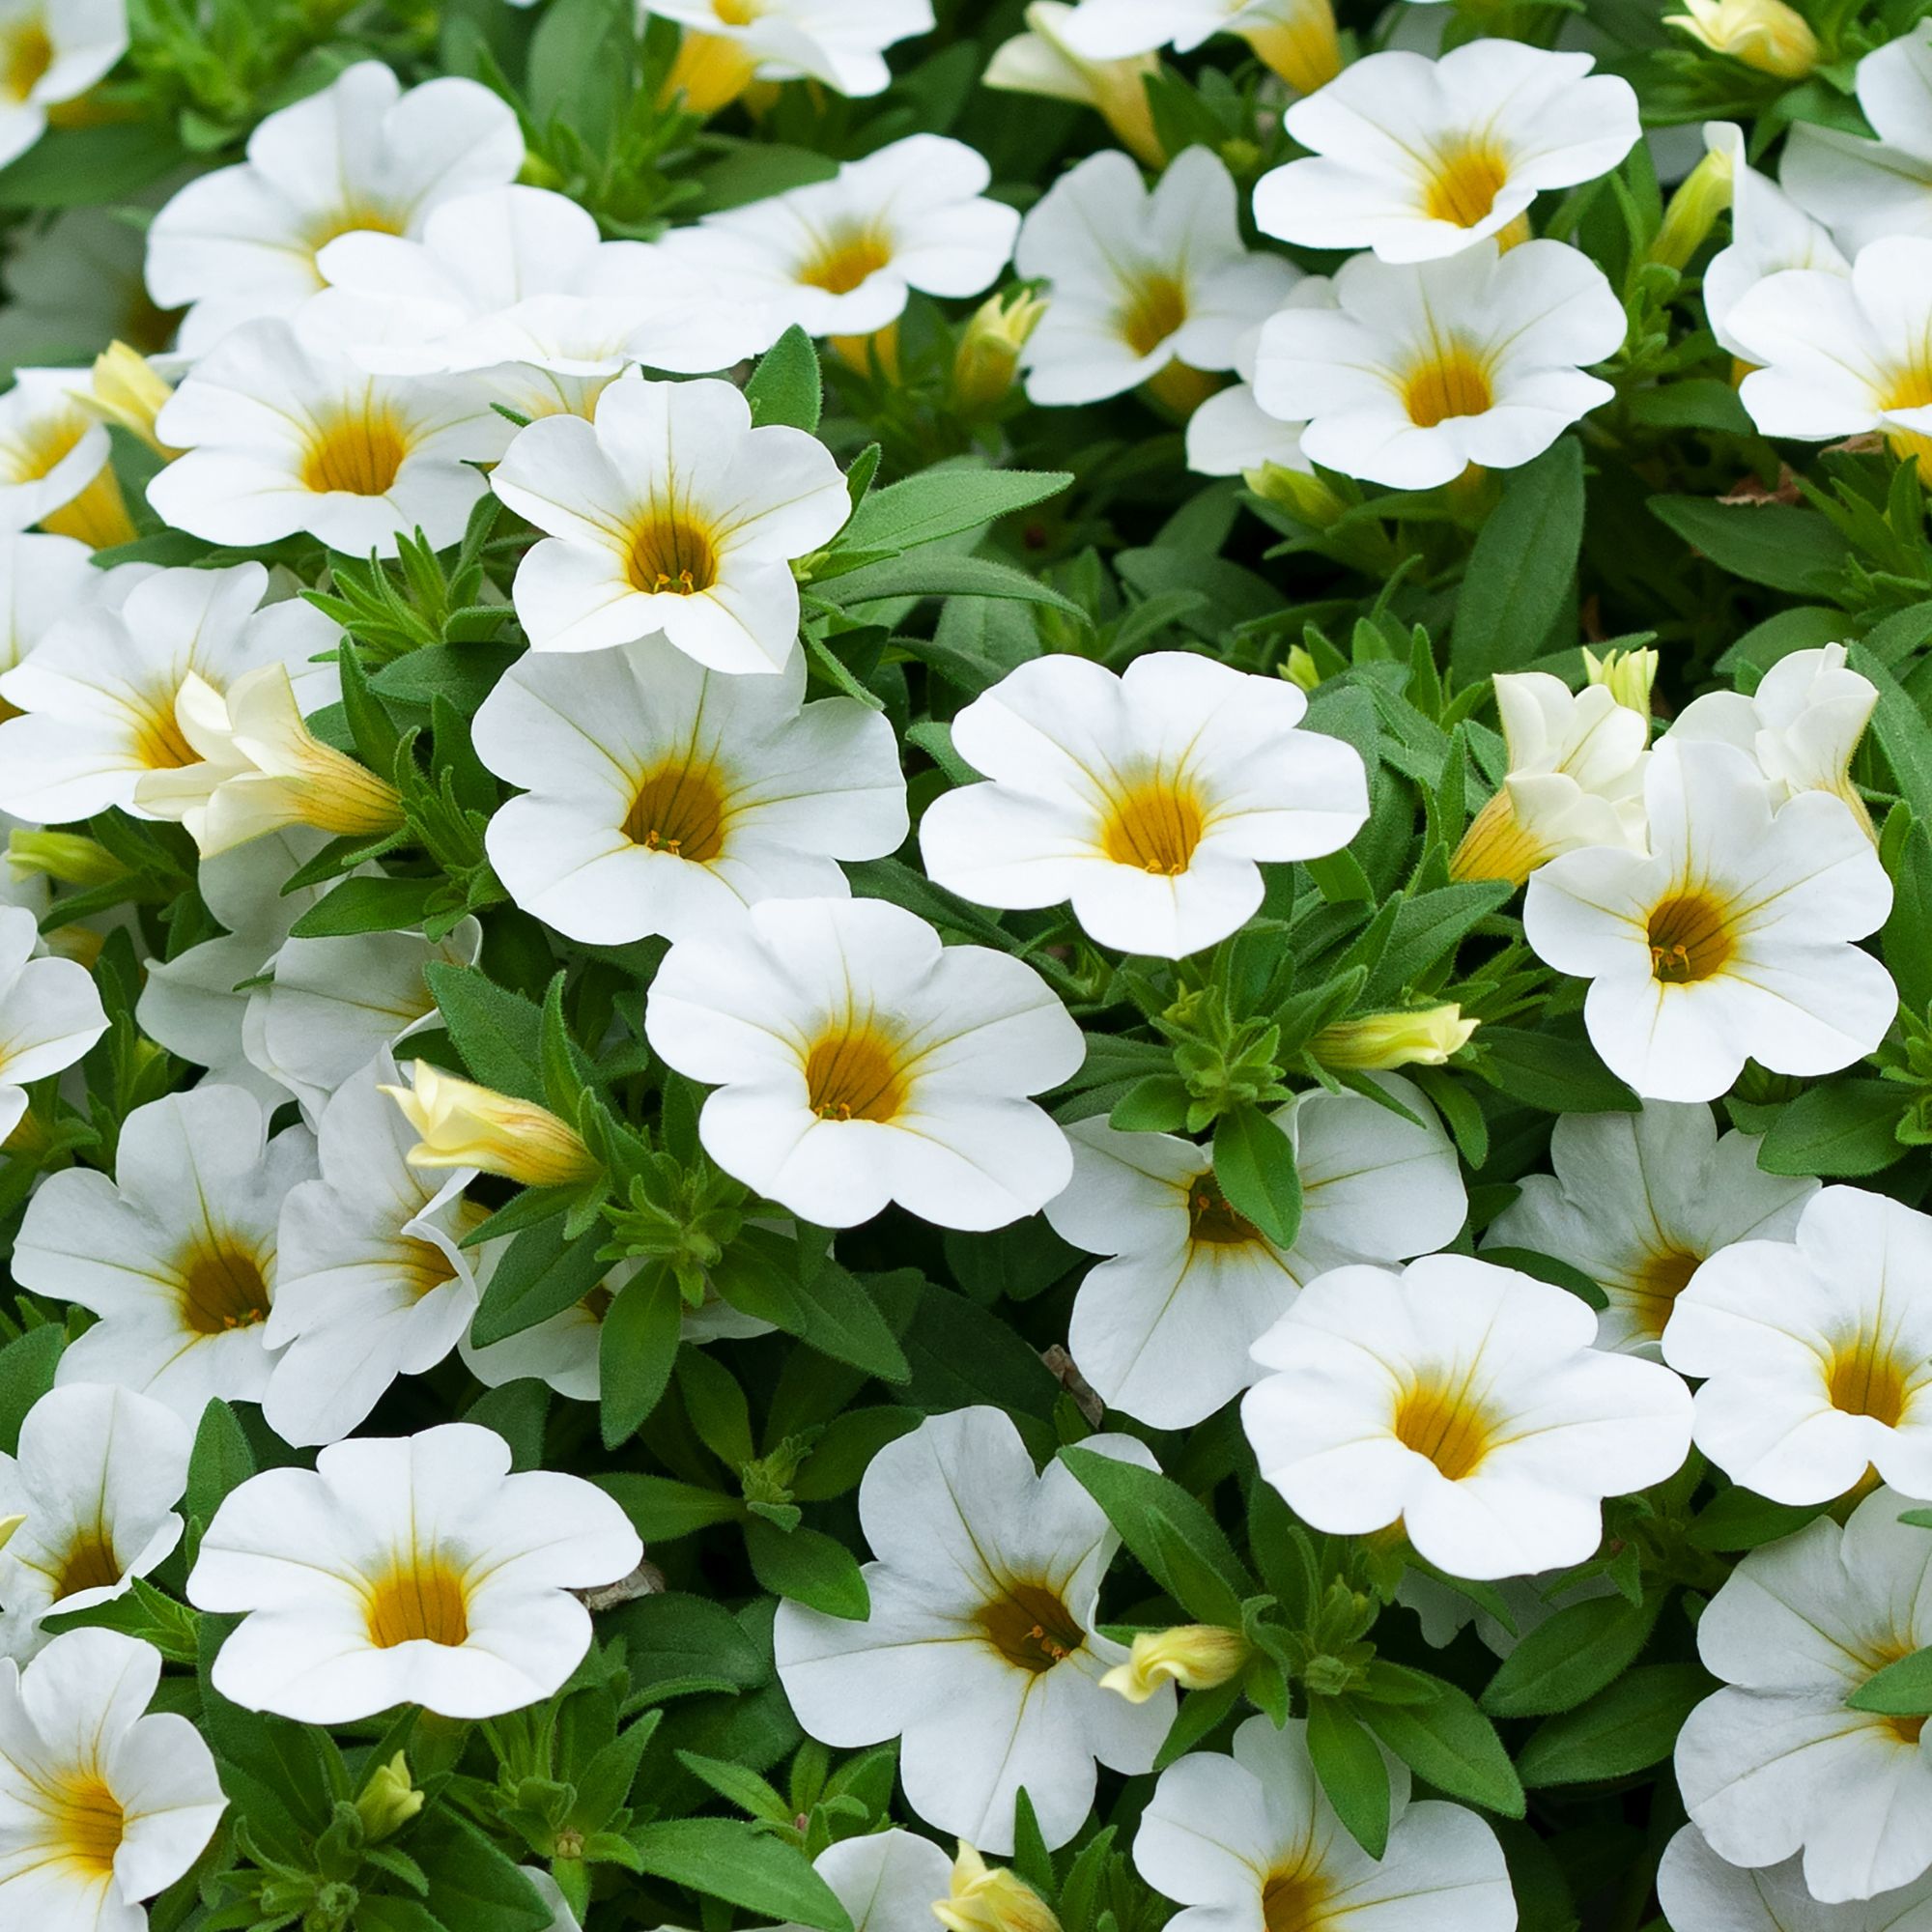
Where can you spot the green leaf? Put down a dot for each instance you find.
(1773, 544)
(540, 1275)
(736, 1785)
(1901, 1689)
(517, 1411)
(1906, 940)
(1253, 1168)
(1154, 1517)
(604, 1784)
(374, 904)
(678, 1644)
(1521, 567)
(1738, 1518)
(372, 730)
(760, 1275)
(1546, 1070)
(636, 1345)
(1625, 1729)
(937, 574)
(809, 1567)
(1429, 926)
(475, 1887)
(464, 674)
(220, 1462)
(70, 167)
(942, 502)
(498, 1033)
(1451, 1744)
(662, 1510)
(27, 1366)
(723, 1858)
(1572, 1656)
(1845, 1128)
(1353, 1771)
(1900, 728)
(786, 388)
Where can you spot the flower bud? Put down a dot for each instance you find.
(989, 357)
(985, 1898)
(1298, 667)
(1041, 62)
(711, 70)
(1299, 492)
(1767, 35)
(1378, 1041)
(1298, 42)
(124, 389)
(8, 1525)
(1700, 197)
(466, 1126)
(64, 856)
(1627, 676)
(388, 1800)
(1195, 1656)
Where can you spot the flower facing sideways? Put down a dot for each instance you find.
(50, 1013)
(1732, 940)
(1040, 61)
(730, 43)
(409, 1570)
(1295, 37)
(101, 1805)
(668, 514)
(858, 1061)
(462, 1126)
(1148, 800)
(51, 50)
(54, 461)
(1465, 1401)
(980, 1652)
(1769, 35)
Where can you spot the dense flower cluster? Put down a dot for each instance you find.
(965, 962)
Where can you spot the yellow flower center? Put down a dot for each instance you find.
(671, 557)
(41, 445)
(845, 257)
(1296, 1899)
(424, 1268)
(87, 1824)
(1029, 1627)
(1154, 825)
(1689, 938)
(1658, 1282)
(419, 1601)
(855, 1072)
(352, 217)
(26, 52)
(1454, 382)
(1447, 1425)
(358, 453)
(221, 1285)
(1464, 183)
(1155, 307)
(737, 12)
(679, 809)
(89, 1562)
(1863, 1376)
(1211, 1219)
(159, 743)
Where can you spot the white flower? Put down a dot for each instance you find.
(1864, 191)
(980, 1653)
(1423, 369)
(1163, 1330)
(175, 1254)
(1574, 779)
(1801, 724)
(1295, 37)
(1843, 354)
(284, 432)
(663, 798)
(50, 1013)
(98, 693)
(409, 1570)
(1251, 1839)
(54, 461)
(97, 1476)
(243, 241)
(1776, 1763)
(727, 44)
(1732, 940)
(1701, 1893)
(1638, 1202)
(43, 579)
(858, 1061)
(370, 1282)
(670, 514)
(840, 257)
(1817, 1349)
(100, 1807)
(51, 50)
(1040, 61)
(1147, 800)
(1146, 287)
(1416, 158)
(1465, 1400)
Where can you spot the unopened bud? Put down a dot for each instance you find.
(1380, 1042)
(8, 1525)
(388, 1800)
(986, 1898)
(1700, 197)
(1040, 61)
(62, 856)
(1767, 35)
(1302, 494)
(125, 390)
(464, 1125)
(1197, 1656)
(1627, 676)
(988, 356)
(1298, 667)
(711, 72)
(1297, 40)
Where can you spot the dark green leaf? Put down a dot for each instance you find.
(1521, 567)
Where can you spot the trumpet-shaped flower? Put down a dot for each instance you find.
(1295, 37)
(1150, 287)
(1416, 158)
(1040, 61)
(1422, 369)
(1465, 1401)
(980, 1652)
(1731, 940)
(1163, 1330)
(1769, 35)
(54, 467)
(663, 798)
(362, 154)
(841, 43)
(478, 1130)
(51, 50)
(1639, 1201)
(858, 1061)
(50, 1013)
(1701, 1893)
(1149, 800)
(177, 1254)
(668, 514)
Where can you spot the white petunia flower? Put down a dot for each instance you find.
(1639, 1201)
(177, 1254)
(663, 798)
(409, 1570)
(1865, 190)
(98, 693)
(1417, 157)
(668, 514)
(840, 257)
(858, 1061)
(50, 1013)
(1041, 62)
(55, 468)
(1776, 1762)
(1163, 1330)
(97, 1476)
(1465, 1401)
(1149, 800)
(730, 43)
(1147, 287)
(1817, 1349)
(980, 1653)
(283, 433)
(370, 1281)
(1251, 1840)
(1732, 940)
(1701, 1893)
(43, 579)
(243, 241)
(1295, 37)
(1425, 368)
(51, 50)
(100, 1807)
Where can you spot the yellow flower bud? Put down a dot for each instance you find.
(1701, 196)
(1195, 1656)
(388, 1800)
(1299, 43)
(711, 72)
(985, 1898)
(1767, 35)
(1040, 61)
(8, 1525)
(1425, 1038)
(1627, 676)
(65, 856)
(466, 1126)
(1300, 493)
(125, 390)
(1298, 667)
(989, 357)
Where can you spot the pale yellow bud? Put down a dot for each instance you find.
(986, 1898)
(125, 390)
(1627, 676)
(1195, 1656)
(1378, 1041)
(711, 72)
(8, 1525)
(65, 856)
(388, 1800)
(1041, 62)
(1300, 493)
(989, 357)
(1700, 197)
(464, 1125)
(1298, 43)
(1298, 667)
(1767, 35)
